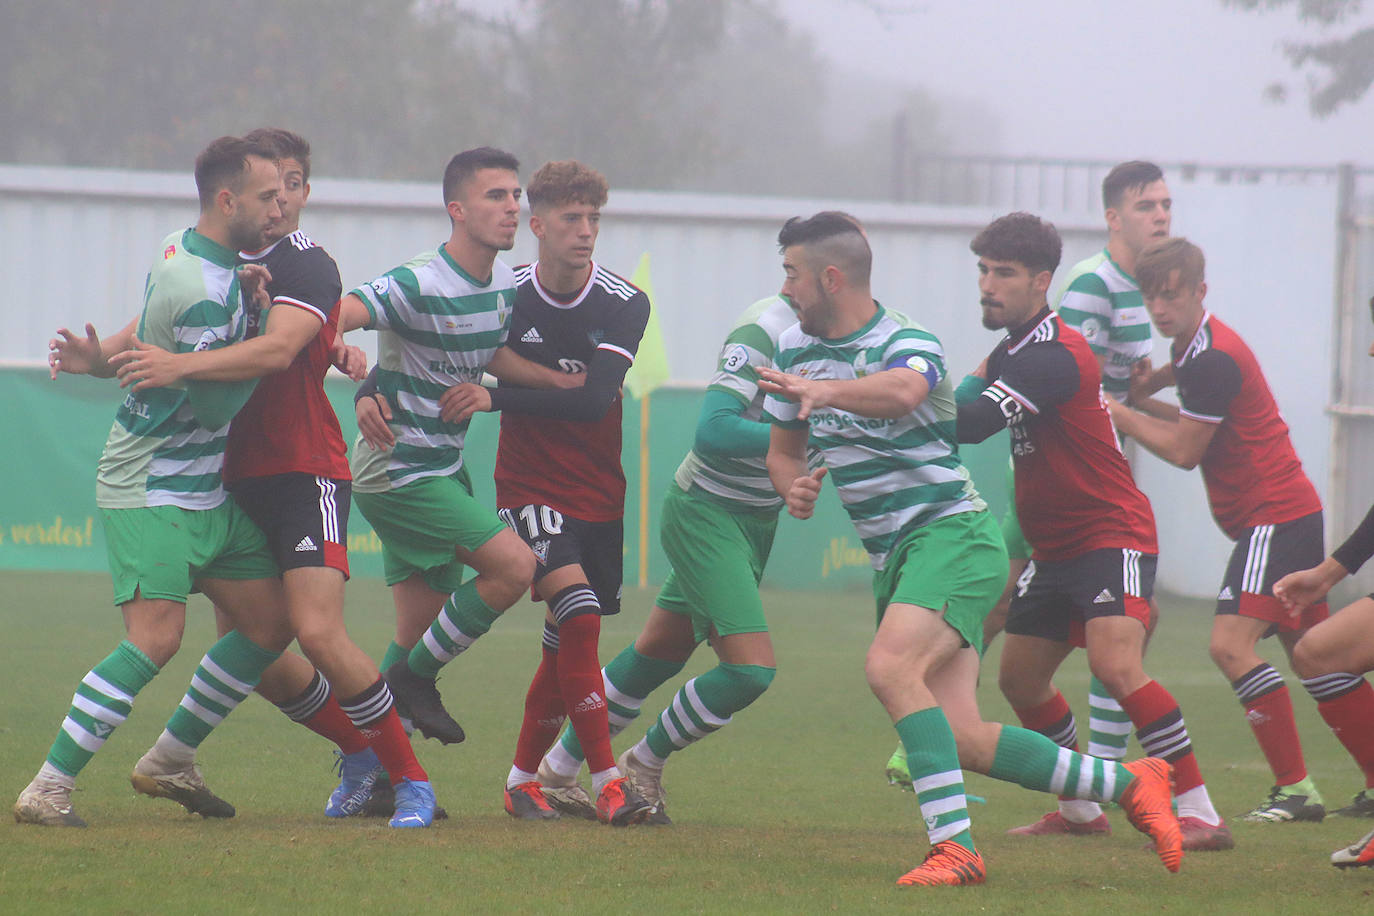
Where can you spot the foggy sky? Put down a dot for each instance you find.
(1103, 79)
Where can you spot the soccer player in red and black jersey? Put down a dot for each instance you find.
(287, 467)
(1227, 422)
(1092, 568)
(559, 482)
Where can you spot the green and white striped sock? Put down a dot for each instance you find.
(933, 760)
(463, 618)
(1109, 728)
(1031, 760)
(704, 705)
(224, 678)
(102, 702)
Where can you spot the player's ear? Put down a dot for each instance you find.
(1041, 281)
(537, 227)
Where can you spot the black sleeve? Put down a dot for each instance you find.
(1207, 384)
(368, 387)
(1033, 381)
(311, 279)
(1358, 547)
(586, 404)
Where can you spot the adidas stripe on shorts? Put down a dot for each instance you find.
(1262, 556)
(1053, 600)
(304, 517)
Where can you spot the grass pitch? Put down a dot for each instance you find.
(784, 811)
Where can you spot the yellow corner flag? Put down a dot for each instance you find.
(650, 367)
(650, 370)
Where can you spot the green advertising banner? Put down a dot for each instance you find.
(48, 518)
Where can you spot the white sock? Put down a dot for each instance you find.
(169, 754)
(53, 776)
(645, 755)
(600, 779)
(1197, 803)
(1079, 811)
(561, 762)
(518, 776)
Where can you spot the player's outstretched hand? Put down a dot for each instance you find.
(462, 401)
(1300, 590)
(79, 356)
(373, 414)
(808, 393)
(802, 495)
(146, 365)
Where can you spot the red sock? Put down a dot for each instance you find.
(543, 715)
(579, 680)
(1162, 732)
(333, 723)
(1351, 717)
(1271, 719)
(1053, 718)
(375, 715)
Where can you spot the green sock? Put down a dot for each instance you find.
(629, 679)
(1031, 760)
(463, 618)
(223, 679)
(393, 654)
(933, 759)
(102, 702)
(1109, 728)
(705, 704)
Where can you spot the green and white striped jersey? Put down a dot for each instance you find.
(437, 327)
(893, 475)
(166, 447)
(742, 482)
(1104, 304)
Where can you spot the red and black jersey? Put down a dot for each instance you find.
(288, 425)
(1252, 472)
(1074, 490)
(562, 448)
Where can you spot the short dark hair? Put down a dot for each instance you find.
(1021, 237)
(1128, 176)
(467, 163)
(567, 182)
(1160, 259)
(224, 164)
(287, 144)
(834, 237)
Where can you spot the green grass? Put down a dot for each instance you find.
(784, 811)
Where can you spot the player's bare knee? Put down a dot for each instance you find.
(1310, 659)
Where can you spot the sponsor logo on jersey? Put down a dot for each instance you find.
(541, 550)
(1091, 328)
(1226, 594)
(1104, 597)
(306, 545)
(381, 285)
(169, 252)
(736, 357)
(207, 337)
(531, 336)
(919, 363)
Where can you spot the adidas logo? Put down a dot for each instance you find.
(531, 336)
(306, 545)
(591, 701)
(1226, 594)
(553, 722)
(541, 551)
(1104, 597)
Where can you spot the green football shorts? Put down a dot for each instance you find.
(422, 523)
(718, 558)
(1018, 548)
(160, 551)
(957, 564)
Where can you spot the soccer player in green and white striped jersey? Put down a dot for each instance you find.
(869, 387)
(717, 526)
(442, 319)
(168, 524)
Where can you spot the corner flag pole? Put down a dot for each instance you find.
(650, 370)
